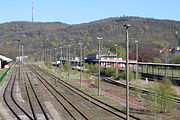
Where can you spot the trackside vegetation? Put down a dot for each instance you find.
(159, 101)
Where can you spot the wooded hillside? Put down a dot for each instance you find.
(40, 36)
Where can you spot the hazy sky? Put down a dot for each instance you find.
(82, 11)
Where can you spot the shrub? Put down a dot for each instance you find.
(122, 75)
(93, 68)
(110, 72)
(161, 100)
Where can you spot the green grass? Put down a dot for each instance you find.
(6, 77)
(2, 71)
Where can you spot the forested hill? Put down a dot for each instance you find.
(40, 36)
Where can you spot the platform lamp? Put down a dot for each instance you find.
(136, 59)
(116, 61)
(69, 63)
(99, 65)
(19, 57)
(127, 71)
(61, 59)
(80, 63)
(74, 57)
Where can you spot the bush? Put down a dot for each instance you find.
(161, 100)
(93, 68)
(122, 75)
(110, 72)
(75, 70)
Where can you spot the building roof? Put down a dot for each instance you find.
(5, 58)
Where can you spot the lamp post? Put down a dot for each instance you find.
(22, 55)
(80, 63)
(99, 70)
(136, 59)
(19, 57)
(55, 56)
(69, 64)
(61, 59)
(116, 61)
(127, 71)
(84, 53)
(74, 57)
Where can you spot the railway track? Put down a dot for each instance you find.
(8, 96)
(102, 105)
(36, 107)
(73, 111)
(111, 80)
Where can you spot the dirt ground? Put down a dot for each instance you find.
(118, 94)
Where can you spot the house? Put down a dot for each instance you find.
(170, 50)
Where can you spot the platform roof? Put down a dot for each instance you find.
(5, 58)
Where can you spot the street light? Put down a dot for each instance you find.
(84, 53)
(61, 59)
(69, 65)
(19, 57)
(55, 56)
(116, 61)
(99, 70)
(136, 59)
(74, 57)
(22, 54)
(127, 71)
(80, 63)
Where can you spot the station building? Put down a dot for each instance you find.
(5, 62)
(107, 59)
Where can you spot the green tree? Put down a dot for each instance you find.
(157, 60)
(108, 72)
(93, 68)
(48, 63)
(121, 52)
(122, 75)
(160, 100)
(177, 59)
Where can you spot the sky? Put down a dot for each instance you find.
(84, 11)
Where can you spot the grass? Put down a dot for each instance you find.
(5, 78)
(2, 71)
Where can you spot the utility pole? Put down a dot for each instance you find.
(22, 55)
(81, 63)
(136, 59)
(99, 65)
(69, 62)
(18, 59)
(74, 57)
(116, 62)
(84, 53)
(55, 57)
(61, 60)
(127, 71)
